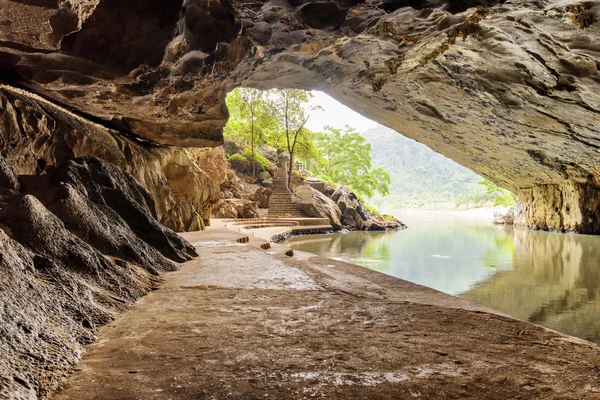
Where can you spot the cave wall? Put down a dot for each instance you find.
(36, 136)
(78, 245)
(508, 89)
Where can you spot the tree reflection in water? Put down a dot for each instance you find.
(550, 279)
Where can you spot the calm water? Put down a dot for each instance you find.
(550, 279)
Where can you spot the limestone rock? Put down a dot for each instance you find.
(262, 197)
(506, 218)
(264, 175)
(213, 162)
(508, 89)
(107, 184)
(79, 244)
(9, 180)
(356, 216)
(38, 136)
(315, 204)
(268, 183)
(236, 208)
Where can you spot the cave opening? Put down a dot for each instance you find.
(329, 137)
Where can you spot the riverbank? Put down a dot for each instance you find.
(246, 323)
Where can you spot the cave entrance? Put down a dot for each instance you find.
(333, 143)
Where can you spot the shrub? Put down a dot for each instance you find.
(238, 162)
(260, 160)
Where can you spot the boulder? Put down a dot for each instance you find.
(315, 183)
(269, 152)
(236, 208)
(315, 204)
(354, 214)
(268, 183)
(264, 175)
(230, 147)
(262, 196)
(505, 218)
(356, 217)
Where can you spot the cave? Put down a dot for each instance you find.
(472, 80)
(90, 88)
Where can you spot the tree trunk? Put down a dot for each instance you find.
(290, 169)
(252, 145)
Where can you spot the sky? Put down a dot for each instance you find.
(335, 114)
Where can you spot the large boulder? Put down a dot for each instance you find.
(355, 216)
(262, 196)
(315, 204)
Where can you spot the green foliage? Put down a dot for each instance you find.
(502, 197)
(345, 158)
(250, 113)
(372, 210)
(260, 160)
(238, 162)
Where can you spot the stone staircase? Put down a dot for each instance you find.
(281, 204)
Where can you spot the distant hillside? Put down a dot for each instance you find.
(421, 178)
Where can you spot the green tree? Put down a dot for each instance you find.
(291, 110)
(345, 158)
(503, 197)
(251, 119)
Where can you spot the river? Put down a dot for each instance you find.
(550, 279)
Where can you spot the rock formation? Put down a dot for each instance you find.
(356, 216)
(316, 205)
(37, 135)
(343, 209)
(506, 88)
(78, 244)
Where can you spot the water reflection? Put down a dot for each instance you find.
(547, 278)
(554, 282)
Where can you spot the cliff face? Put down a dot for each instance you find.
(509, 89)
